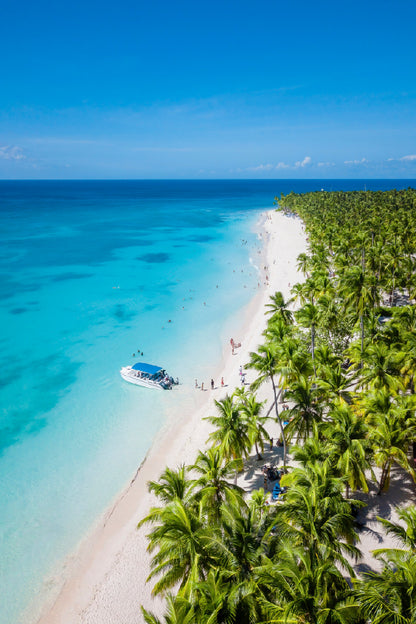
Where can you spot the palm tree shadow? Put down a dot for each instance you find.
(365, 530)
(253, 477)
(402, 489)
(363, 568)
(371, 532)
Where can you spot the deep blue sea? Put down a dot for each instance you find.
(92, 272)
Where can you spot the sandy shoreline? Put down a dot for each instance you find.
(105, 581)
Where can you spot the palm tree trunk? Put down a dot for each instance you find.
(383, 478)
(313, 347)
(279, 419)
(273, 404)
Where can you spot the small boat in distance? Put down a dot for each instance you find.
(148, 375)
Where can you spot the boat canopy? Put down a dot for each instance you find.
(147, 368)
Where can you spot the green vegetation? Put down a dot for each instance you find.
(345, 362)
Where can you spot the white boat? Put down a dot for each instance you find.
(147, 375)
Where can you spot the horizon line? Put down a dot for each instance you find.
(203, 179)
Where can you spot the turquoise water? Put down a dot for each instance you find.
(90, 273)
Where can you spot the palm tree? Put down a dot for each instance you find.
(357, 294)
(277, 331)
(172, 484)
(315, 515)
(241, 551)
(214, 600)
(266, 362)
(335, 384)
(181, 541)
(312, 451)
(306, 412)
(348, 446)
(406, 359)
(394, 261)
(305, 588)
(391, 433)
(231, 433)
(389, 597)
(380, 369)
(279, 308)
(304, 263)
(258, 502)
(178, 611)
(309, 290)
(212, 486)
(308, 316)
(326, 358)
(251, 411)
(293, 361)
(404, 533)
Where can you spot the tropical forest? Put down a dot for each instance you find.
(340, 356)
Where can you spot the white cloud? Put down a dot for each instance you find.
(11, 152)
(304, 163)
(408, 158)
(356, 162)
(326, 164)
(282, 165)
(261, 168)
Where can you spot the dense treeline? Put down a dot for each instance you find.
(345, 363)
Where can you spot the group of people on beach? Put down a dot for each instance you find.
(212, 384)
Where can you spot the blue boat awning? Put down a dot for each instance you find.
(147, 368)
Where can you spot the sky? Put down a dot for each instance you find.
(219, 89)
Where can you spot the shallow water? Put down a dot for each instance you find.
(90, 273)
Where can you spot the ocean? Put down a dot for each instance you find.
(93, 274)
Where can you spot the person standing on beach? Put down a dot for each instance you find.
(196, 383)
(212, 384)
(222, 382)
(202, 386)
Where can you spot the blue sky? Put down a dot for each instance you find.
(219, 89)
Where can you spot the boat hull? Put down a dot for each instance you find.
(129, 375)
